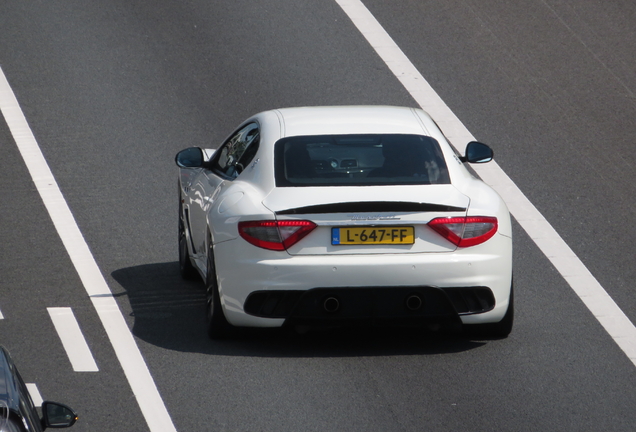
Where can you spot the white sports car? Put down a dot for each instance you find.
(330, 216)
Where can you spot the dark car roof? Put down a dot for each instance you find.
(8, 390)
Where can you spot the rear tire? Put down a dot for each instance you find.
(187, 270)
(218, 327)
(498, 330)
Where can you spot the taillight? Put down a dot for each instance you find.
(275, 235)
(465, 231)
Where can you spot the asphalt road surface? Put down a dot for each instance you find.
(113, 89)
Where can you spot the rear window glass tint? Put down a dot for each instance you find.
(359, 160)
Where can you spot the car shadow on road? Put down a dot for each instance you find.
(169, 312)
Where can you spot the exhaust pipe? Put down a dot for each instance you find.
(331, 304)
(414, 302)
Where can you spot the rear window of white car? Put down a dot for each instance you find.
(359, 160)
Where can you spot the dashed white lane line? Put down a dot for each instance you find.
(36, 397)
(1, 316)
(122, 340)
(72, 339)
(538, 228)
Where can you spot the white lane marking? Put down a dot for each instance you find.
(72, 339)
(547, 239)
(1, 316)
(35, 394)
(122, 340)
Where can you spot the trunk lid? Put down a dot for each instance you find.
(387, 213)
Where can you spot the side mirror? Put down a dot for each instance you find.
(477, 152)
(57, 415)
(189, 158)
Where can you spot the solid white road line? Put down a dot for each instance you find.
(122, 340)
(547, 239)
(72, 339)
(35, 394)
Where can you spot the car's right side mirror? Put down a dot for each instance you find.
(477, 152)
(57, 415)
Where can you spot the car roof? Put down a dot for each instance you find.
(341, 120)
(8, 391)
(330, 120)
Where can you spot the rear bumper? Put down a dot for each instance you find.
(243, 270)
(398, 306)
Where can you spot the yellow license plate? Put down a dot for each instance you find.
(373, 235)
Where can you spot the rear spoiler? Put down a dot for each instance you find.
(371, 207)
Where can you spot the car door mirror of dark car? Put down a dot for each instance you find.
(57, 415)
(190, 158)
(477, 152)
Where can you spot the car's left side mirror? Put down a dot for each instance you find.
(477, 152)
(190, 158)
(57, 415)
